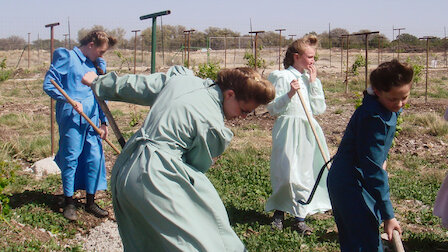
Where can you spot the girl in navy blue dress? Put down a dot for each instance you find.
(358, 182)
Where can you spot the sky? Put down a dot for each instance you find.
(417, 17)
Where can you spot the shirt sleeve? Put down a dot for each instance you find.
(372, 152)
(281, 100)
(131, 88)
(317, 97)
(57, 72)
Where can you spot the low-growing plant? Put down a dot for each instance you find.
(123, 60)
(417, 67)
(7, 176)
(359, 62)
(209, 70)
(4, 73)
(261, 63)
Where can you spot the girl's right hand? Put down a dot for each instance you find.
(88, 78)
(78, 107)
(390, 226)
(294, 87)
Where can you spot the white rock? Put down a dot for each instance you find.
(45, 167)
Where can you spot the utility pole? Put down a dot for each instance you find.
(65, 40)
(187, 32)
(256, 38)
(52, 103)
(143, 39)
(346, 71)
(135, 48)
(366, 35)
(398, 40)
(29, 50)
(379, 49)
(225, 50)
(427, 38)
(329, 41)
(154, 16)
(342, 51)
(279, 46)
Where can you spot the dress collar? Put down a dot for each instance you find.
(78, 52)
(372, 105)
(296, 72)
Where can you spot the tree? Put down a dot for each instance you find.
(270, 39)
(335, 34)
(408, 39)
(12, 43)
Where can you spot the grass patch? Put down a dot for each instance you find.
(241, 177)
(432, 123)
(410, 184)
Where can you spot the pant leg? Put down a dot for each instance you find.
(70, 147)
(91, 175)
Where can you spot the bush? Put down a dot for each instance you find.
(418, 69)
(359, 62)
(208, 71)
(6, 178)
(261, 63)
(4, 74)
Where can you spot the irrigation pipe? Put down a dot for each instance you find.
(72, 102)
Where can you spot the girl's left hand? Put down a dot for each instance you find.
(313, 73)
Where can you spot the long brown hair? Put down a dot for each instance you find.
(247, 84)
(299, 47)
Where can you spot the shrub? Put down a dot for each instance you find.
(208, 71)
(359, 62)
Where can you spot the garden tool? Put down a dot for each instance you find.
(72, 102)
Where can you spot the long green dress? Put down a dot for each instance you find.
(162, 199)
(296, 159)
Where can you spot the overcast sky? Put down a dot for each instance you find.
(418, 17)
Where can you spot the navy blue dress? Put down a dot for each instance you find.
(357, 183)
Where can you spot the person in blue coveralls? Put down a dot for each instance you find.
(163, 201)
(80, 156)
(296, 159)
(358, 182)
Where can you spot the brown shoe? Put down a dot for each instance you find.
(277, 224)
(96, 210)
(277, 220)
(302, 228)
(70, 212)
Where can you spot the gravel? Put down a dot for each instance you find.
(104, 237)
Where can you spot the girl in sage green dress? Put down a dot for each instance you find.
(162, 199)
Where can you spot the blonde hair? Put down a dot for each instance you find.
(98, 38)
(299, 47)
(247, 84)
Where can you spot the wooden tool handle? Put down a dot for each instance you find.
(308, 116)
(396, 240)
(72, 102)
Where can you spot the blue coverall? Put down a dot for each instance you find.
(80, 156)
